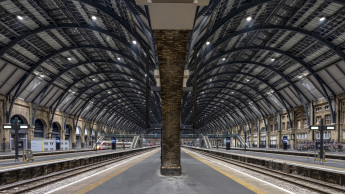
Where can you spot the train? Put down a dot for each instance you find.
(103, 145)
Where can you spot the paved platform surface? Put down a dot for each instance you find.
(6, 163)
(282, 150)
(145, 178)
(11, 153)
(331, 163)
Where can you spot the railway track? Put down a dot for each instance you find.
(35, 183)
(307, 183)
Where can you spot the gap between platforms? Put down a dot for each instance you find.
(253, 188)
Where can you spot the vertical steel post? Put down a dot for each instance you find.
(16, 128)
(245, 139)
(321, 139)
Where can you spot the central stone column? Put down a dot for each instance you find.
(171, 47)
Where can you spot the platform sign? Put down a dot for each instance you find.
(113, 143)
(228, 140)
(57, 140)
(285, 140)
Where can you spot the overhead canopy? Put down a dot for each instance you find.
(246, 59)
(83, 57)
(256, 58)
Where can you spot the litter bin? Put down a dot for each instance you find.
(28, 155)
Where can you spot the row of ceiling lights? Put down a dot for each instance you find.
(250, 18)
(70, 59)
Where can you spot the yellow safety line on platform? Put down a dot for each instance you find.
(107, 178)
(54, 160)
(240, 181)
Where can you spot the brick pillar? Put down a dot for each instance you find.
(172, 47)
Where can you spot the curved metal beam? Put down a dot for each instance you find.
(19, 84)
(249, 97)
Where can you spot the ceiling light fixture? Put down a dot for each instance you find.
(94, 17)
(249, 19)
(208, 43)
(118, 58)
(20, 17)
(223, 59)
(134, 42)
(69, 58)
(273, 59)
(322, 19)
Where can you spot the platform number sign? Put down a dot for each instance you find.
(57, 139)
(227, 143)
(113, 140)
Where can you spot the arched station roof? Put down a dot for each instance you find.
(252, 59)
(248, 59)
(82, 57)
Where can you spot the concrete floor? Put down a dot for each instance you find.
(144, 177)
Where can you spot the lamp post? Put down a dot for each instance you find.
(321, 128)
(16, 127)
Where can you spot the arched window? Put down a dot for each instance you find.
(20, 119)
(39, 129)
(56, 130)
(68, 131)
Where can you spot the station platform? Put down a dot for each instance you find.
(198, 177)
(9, 155)
(334, 164)
(51, 157)
(275, 150)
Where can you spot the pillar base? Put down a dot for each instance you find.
(74, 145)
(82, 145)
(171, 171)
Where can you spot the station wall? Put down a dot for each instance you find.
(299, 134)
(23, 109)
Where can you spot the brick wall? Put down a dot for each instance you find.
(172, 46)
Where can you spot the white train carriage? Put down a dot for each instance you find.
(103, 145)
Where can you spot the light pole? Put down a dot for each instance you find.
(321, 128)
(16, 127)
